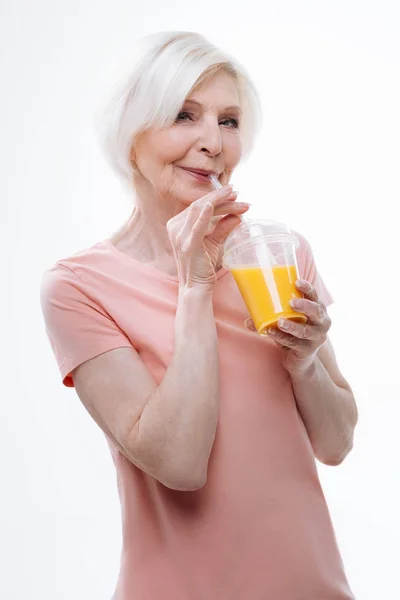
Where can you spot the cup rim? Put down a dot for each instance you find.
(259, 239)
(250, 222)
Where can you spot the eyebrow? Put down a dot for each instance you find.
(233, 107)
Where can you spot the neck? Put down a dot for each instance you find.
(144, 236)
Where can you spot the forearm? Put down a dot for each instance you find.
(328, 412)
(179, 422)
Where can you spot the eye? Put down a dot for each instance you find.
(184, 116)
(231, 122)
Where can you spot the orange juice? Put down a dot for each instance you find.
(267, 291)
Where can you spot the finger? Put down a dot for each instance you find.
(285, 340)
(221, 210)
(194, 210)
(301, 331)
(230, 208)
(224, 228)
(250, 325)
(282, 339)
(217, 195)
(314, 311)
(201, 226)
(307, 289)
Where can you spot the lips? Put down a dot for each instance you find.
(200, 171)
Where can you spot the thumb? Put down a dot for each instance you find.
(250, 325)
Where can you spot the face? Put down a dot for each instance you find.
(204, 138)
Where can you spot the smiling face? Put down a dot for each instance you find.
(205, 137)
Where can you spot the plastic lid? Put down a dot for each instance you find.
(257, 230)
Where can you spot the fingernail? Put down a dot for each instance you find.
(304, 283)
(294, 303)
(271, 331)
(243, 204)
(284, 324)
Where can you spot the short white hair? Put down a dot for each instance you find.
(168, 67)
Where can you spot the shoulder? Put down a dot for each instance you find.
(308, 270)
(304, 252)
(304, 245)
(70, 277)
(78, 269)
(56, 278)
(92, 257)
(60, 291)
(73, 290)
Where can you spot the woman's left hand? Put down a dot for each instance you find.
(301, 341)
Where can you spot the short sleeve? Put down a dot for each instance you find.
(308, 269)
(77, 326)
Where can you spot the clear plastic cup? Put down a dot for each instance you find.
(261, 256)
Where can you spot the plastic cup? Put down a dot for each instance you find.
(261, 256)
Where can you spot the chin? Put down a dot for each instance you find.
(188, 194)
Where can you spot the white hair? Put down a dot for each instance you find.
(170, 65)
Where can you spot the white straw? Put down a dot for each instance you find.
(214, 180)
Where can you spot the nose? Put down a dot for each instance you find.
(210, 140)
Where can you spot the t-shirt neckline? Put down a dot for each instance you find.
(144, 267)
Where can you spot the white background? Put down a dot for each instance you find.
(327, 163)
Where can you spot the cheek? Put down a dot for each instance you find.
(175, 143)
(160, 148)
(232, 150)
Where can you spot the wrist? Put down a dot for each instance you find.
(195, 303)
(201, 291)
(301, 368)
(195, 321)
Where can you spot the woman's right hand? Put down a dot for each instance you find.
(196, 243)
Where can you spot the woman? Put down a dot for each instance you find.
(213, 429)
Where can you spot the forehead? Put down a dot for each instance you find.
(219, 89)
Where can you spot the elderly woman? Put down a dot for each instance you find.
(213, 429)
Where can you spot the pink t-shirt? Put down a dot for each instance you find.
(260, 528)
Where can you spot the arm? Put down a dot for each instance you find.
(179, 421)
(324, 398)
(327, 406)
(167, 430)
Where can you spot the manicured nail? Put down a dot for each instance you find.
(283, 323)
(294, 303)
